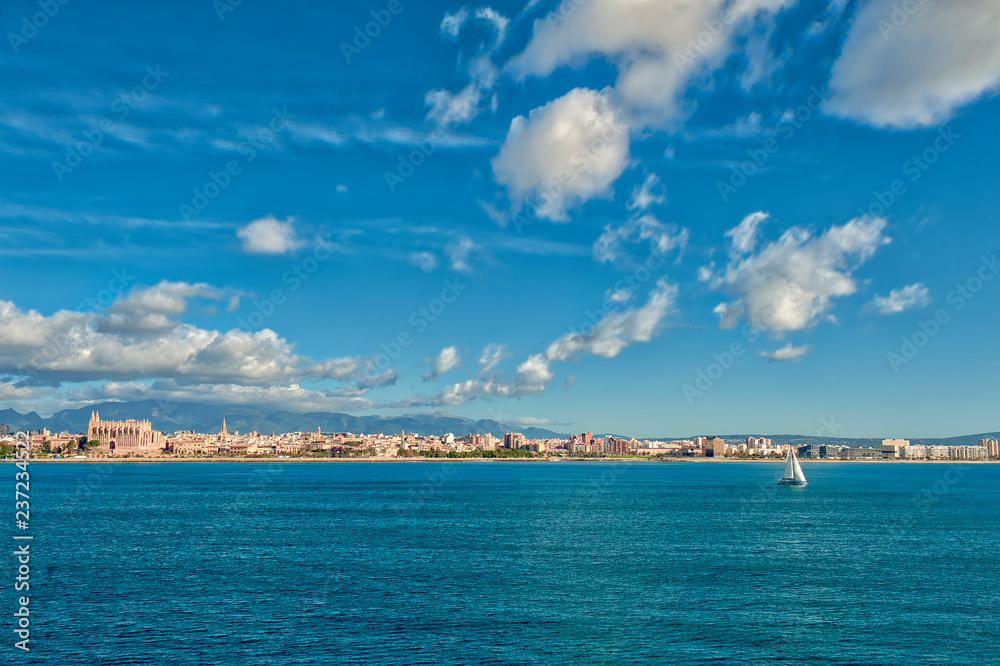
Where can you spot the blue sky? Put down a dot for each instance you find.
(656, 218)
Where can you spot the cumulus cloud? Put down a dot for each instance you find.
(661, 48)
(618, 329)
(610, 247)
(492, 354)
(649, 42)
(425, 261)
(786, 353)
(564, 153)
(139, 338)
(459, 252)
(292, 397)
(269, 235)
(905, 298)
(447, 359)
(743, 237)
(446, 107)
(903, 68)
(647, 194)
(789, 284)
(151, 308)
(452, 24)
(606, 338)
(497, 20)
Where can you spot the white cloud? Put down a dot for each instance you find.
(452, 24)
(492, 354)
(656, 46)
(786, 353)
(453, 108)
(618, 329)
(291, 397)
(905, 298)
(268, 235)
(460, 107)
(662, 238)
(529, 421)
(150, 308)
(564, 153)
(902, 68)
(497, 20)
(743, 238)
(446, 360)
(606, 338)
(790, 283)
(459, 252)
(661, 48)
(425, 261)
(623, 295)
(138, 338)
(648, 193)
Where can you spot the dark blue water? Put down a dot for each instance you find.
(511, 563)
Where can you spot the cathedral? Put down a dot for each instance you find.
(119, 438)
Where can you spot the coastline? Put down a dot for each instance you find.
(251, 459)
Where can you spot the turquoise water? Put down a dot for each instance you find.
(512, 563)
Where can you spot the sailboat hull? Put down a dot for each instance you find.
(790, 482)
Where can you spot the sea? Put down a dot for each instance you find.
(504, 562)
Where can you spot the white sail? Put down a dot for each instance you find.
(789, 469)
(799, 476)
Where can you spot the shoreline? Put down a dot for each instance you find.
(250, 459)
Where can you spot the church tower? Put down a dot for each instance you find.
(223, 434)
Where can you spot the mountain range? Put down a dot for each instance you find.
(168, 417)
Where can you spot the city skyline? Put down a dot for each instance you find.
(767, 218)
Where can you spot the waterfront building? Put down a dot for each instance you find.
(914, 452)
(714, 447)
(991, 446)
(513, 440)
(892, 448)
(128, 437)
(758, 443)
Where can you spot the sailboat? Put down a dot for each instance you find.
(793, 475)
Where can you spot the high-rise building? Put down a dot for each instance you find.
(513, 440)
(991, 446)
(5, 430)
(715, 447)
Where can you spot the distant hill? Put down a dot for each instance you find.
(172, 416)
(802, 440)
